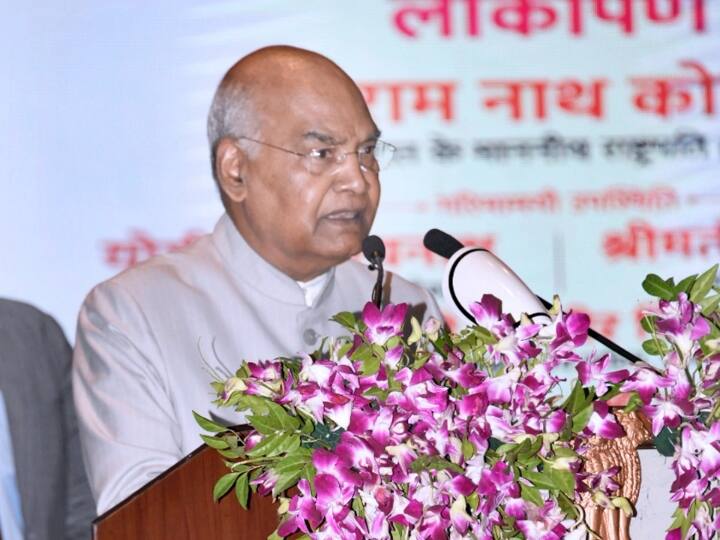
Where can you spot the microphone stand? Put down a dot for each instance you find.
(374, 251)
(378, 288)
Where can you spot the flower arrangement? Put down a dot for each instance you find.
(469, 435)
(683, 398)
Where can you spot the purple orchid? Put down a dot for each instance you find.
(603, 423)
(382, 325)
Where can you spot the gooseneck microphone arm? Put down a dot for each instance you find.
(446, 246)
(374, 251)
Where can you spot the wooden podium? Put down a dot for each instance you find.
(178, 505)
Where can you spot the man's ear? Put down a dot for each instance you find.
(229, 164)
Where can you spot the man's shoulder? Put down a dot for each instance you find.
(16, 314)
(164, 273)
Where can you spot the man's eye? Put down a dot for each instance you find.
(367, 150)
(322, 153)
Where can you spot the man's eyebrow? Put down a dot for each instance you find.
(322, 137)
(375, 135)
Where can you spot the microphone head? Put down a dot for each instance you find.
(373, 248)
(441, 243)
(473, 272)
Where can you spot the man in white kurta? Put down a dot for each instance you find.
(264, 284)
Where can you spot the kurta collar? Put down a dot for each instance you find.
(247, 265)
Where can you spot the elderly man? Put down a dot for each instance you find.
(44, 493)
(296, 156)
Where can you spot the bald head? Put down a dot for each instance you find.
(294, 155)
(269, 83)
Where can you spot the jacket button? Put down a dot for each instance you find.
(310, 336)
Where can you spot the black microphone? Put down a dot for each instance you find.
(374, 251)
(468, 270)
(441, 243)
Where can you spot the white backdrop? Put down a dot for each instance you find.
(580, 139)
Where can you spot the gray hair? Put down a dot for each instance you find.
(231, 114)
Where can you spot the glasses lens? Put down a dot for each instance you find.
(383, 154)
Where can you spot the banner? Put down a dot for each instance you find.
(577, 139)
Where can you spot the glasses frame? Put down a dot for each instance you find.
(339, 159)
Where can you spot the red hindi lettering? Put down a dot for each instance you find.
(125, 254)
(660, 95)
(514, 96)
(577, 98)
(624, 15)
(444, 104)
(706, 81)
(629, 244)
(524, 16)
(439, 10)
(655, 14)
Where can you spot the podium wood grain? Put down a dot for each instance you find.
(178, 505)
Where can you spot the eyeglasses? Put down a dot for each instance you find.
(372, 156)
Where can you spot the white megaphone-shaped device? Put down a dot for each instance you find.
(472, 272)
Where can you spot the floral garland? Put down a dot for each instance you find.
(468, 435)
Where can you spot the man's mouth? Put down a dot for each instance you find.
(344, 215)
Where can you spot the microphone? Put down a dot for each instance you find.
(472, 272)
(374, 251)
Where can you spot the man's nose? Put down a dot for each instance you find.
(350, 175)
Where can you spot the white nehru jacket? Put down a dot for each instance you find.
(143, 338)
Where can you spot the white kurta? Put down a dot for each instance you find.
(145, 336)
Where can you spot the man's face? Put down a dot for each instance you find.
(304, 221)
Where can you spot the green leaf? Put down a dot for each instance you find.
(656, 286)
(564, 480)
(370, 365)
(232, 453)
(416, 333)
(294, 460)
(468, 449)
(531, 494)
(655, 347)
(346, 319)
(358, 506)
(576, 400)
(286, 481)
(265, 447)
(531, 449)
(223, 485)
(567, 506)
(473, 501)
(541, 480)
(288, 444)
(208, 425)
(424, 463)
(623, 504)
(634, 403)
(709, 304)
(581, 419)
(703, 284)
(666, 440)
(217, 444)
(376, 392)
(685, 285)
(648, 323)
(242, 490)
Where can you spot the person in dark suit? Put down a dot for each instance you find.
(44, 493)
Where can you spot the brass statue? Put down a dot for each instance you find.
(613, 523)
